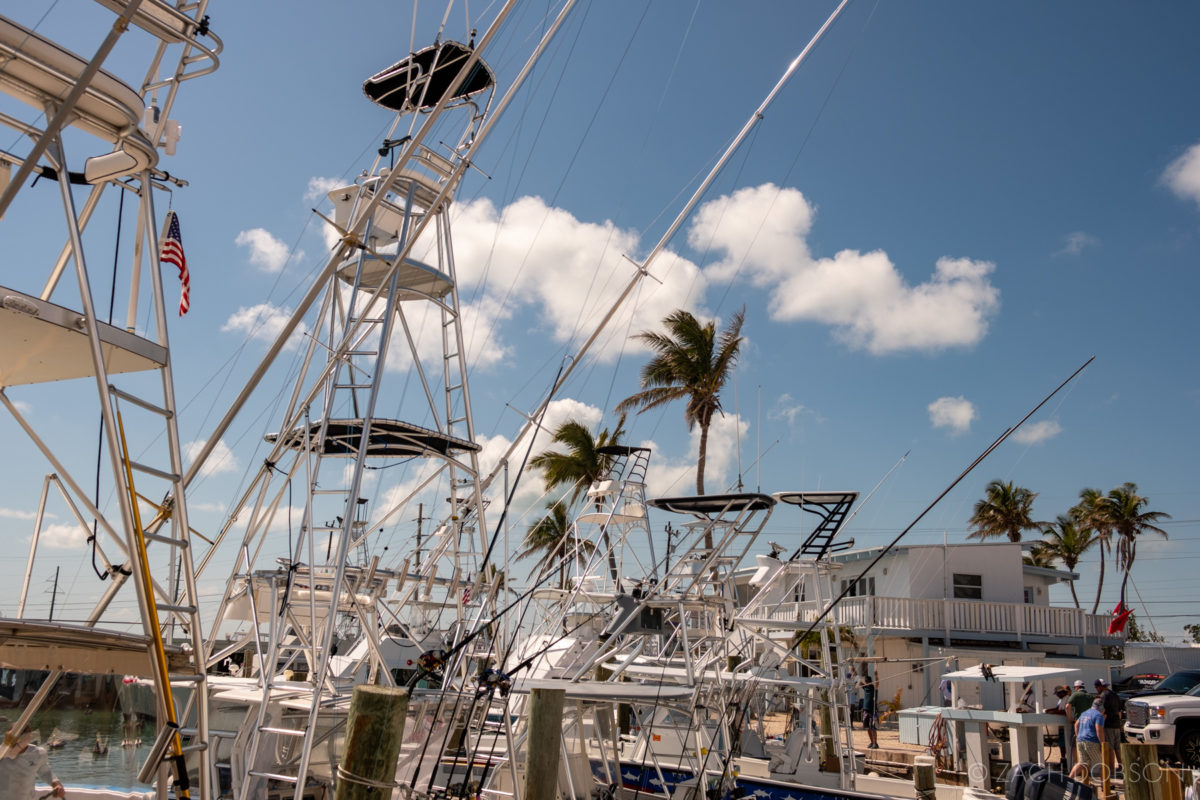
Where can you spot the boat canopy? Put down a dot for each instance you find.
(706, 505)
(388, 438)
(25, 644)
(424, 78)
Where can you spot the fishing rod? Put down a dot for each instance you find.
(970, 468)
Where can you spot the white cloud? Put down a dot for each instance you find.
(266, 252)
(1183, 174)
(787, 409)
(64, 536)
(264, 322)
(25, 408)
(319, 188)
(955, 413)
(221, 459)
(16, 513)
(572, 271)
(1076, 242)
(1038, 432)
(213, 508)
(867, 301)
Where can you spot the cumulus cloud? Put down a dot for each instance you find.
(64, 536)
(266, 252)
(220, 460)
(16, 513)
(1076, 242)
(787, 409)
(1182, 175)
(955, 413)
(319, 188)
(1038, 432)
(762, 231)
(572, 271)
(263, 322)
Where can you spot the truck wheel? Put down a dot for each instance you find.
(1188, 747)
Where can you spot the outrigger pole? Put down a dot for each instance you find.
(643, 269)
(970, 468)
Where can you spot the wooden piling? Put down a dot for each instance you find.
(1106, 760)
(1143, 775)
(924, 776)
(1173, 784)
(543, 743)
(374, 730)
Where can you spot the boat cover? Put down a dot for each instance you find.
(402, 86)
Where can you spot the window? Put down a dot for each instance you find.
(968, 587)
(1028, 594)
(861, 588)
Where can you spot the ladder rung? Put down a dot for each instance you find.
(352, 386)
(137, 401)
(362, 353)
(171, 540)
(168, 476)
(194, 748)
(177, 609)
(275, 776)
(185, 678)
(283, 731)
(329, 491)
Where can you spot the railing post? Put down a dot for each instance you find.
(1019, 622)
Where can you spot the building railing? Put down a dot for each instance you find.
(951, 616)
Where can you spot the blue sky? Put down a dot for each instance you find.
(949, 209)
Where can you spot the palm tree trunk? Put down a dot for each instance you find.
(701, 457)
(1100, 583)
(1074, 596)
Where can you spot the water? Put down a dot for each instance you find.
(76, 765)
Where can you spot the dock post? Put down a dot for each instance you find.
(374, 730)
(1143, 775)
(543, 743)
(924, 776)
(1175, 782)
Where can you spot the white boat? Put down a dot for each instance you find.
(67, 111)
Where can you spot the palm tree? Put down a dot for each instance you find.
(1089, 513)
(1004, 511)
(554, 537)
(690, 361)
(1123, 508)
(582, 464)
(1066, 541)
(1038, 556)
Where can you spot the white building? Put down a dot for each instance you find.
(924, 610)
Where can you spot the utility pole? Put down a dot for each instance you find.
(420, 519)
(54, 593)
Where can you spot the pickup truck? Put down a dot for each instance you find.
(1171, 721)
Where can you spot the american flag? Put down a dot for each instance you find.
(172, 253)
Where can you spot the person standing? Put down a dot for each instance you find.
(1079, 701)
(1060, 707)
(22, 765)
(852, 698)
(1089, 732)
(1112, 721)
(868, 714)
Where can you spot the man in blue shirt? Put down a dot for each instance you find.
(1089, 733)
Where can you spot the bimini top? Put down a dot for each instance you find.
(388, 437)
(423, 78)
(709, 504)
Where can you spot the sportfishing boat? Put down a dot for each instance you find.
(90, 132)
(313, 606)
